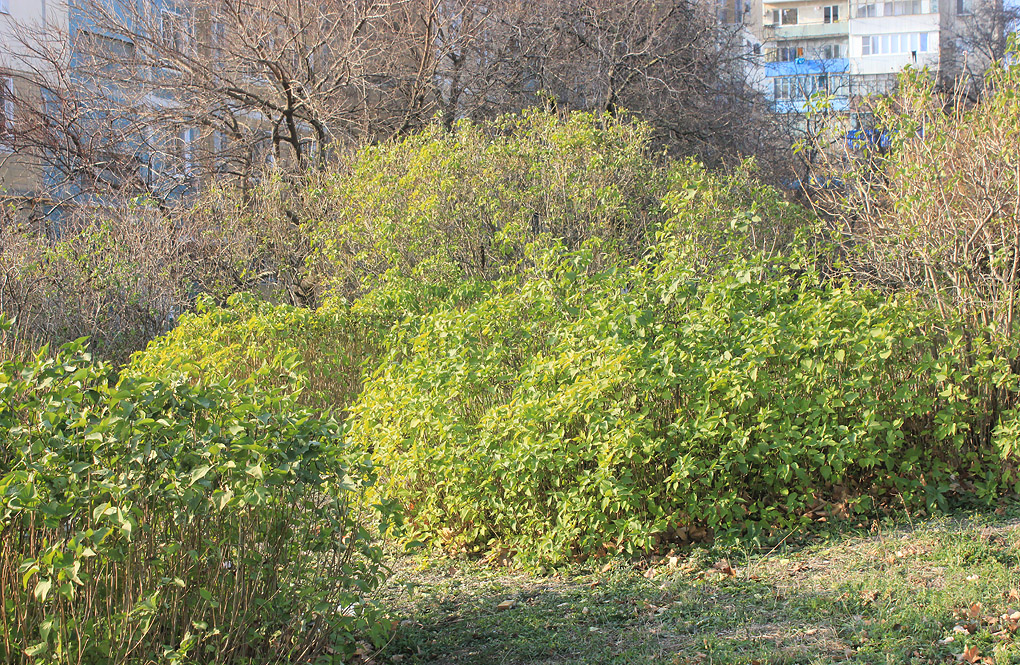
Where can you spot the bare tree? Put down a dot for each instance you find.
(668, 61)
(975, 34)
(144, 98)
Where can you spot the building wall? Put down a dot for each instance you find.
(887, 28)
(25, 22)
(880, 39)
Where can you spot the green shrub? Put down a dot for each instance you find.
(146, 520)
(441, 206)
(712, 217)
(586, 410)
(252, 338)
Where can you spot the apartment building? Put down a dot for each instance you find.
(850, 48)
(21, 176)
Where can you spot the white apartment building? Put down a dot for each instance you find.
(849, 48)
(20, 177)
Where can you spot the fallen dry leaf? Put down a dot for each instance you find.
(969, 655)
(506, 605)
(723, 566)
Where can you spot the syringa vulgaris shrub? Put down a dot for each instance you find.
(713, 216)
(440, 206)
(147, 520)
(251, 338)
(587, 410)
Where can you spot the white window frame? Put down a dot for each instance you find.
(901, 43)
(830, 14)
(7, 95)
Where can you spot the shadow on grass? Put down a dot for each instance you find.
(889, 598)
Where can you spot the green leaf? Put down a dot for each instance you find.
(42, 589)
(198, 473)
(36, 649)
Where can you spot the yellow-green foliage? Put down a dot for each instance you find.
(318, 353)
(586, 409)
(441, 206)
(149, 520)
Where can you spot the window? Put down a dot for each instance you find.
(912, 42)
(832, 51)
(962, 7)
(867, 11)
(831, 13)
(802, 87)
(789, 53)
(775, 17)
(5, 7)
(188, 138)
(109, 49)
(731, 13)
(789, 17)
(6, 108)
(839, 84)
(902, 8)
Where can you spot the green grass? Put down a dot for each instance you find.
(892, 595)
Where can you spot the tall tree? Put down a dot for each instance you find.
(144, 97)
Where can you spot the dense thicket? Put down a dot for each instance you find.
(543, 339)
(123, 276)
(147, 518)
(588, 410)
(938, 210)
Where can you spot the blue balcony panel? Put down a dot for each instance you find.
(838, 104)
(802, 66)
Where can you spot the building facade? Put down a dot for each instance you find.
(22, 176)
(846, 49)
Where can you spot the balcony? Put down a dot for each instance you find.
(805, 30)
(837, 104)
(802, 66)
